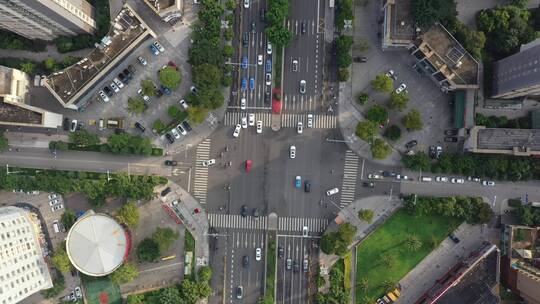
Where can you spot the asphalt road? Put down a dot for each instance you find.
(306, 48)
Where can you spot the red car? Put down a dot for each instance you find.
(173, 65)
(248, 165)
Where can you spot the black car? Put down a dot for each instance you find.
(127, 73)
(432, 151)
(245, 39)
(123, 78)
(307, 186)
(186, 126)
(303, 27)
(281, 252)
(171, 163)
(295, 266)
(360, 59)
(166, 191)
(454, 238)
(139, 126)
(267, 97)
(108, 91)
(244, 210)
(368, 184)
(411, 144)
(262, 14)
(389, 174)
(65, 124)
(245, 261)
(132, 69)
(253, 27)
(450, 139)
(451, 132)
(159, 93)
(256, 213)
(170, 138)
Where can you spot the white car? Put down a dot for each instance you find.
(142, 61)
(332, 191)
(114, 87)
(374, 176)
(260, 59)
(57, 207)
(208, 163)
(488, 183)
(104, 97)
(244, 122)
(310, 120)
(246, 3)
(243, 104)
(118, 83)
(300, 127)
(268, 79)
(391, 74)
(181, 129)
(457, 180)
(52, 196)
(441, 179)
(258, 254)
(73, 126)
(305, 231)
(269, 48)
(251, 119)
(78, 292)
(401, 88)
(295, 65)
(292, 152)
(175, 133)
(159, 47)
(53, 202)
(399, 176)
(184, 104)
(237, 130)
(259, 126)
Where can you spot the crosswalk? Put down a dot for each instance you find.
(296, 224)
(300, 102)
(237, 221)
(200, 182)
(287, 120)
(348, 187)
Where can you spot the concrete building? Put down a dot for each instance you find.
(398, 30)
(13, 108)
(74, 86)
(23, 270)
(520, 262)
(518, 75)
(168, 10)
(519, 142)
(47, 19)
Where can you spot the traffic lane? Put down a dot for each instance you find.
(292, 286)
(218, 248)
(250, 277)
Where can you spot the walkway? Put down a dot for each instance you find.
(50, 52)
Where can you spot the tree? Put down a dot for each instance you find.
(344, 12)
(125, 143)
(158, 125)
(362, 98)
(328, 242)
(148, 87)
(136, 105)
(206, 77)
(387, 260)
(196, 114)
(68, 218)
(413, 243)
(135, 299)
(171, 295)
(417, 162)
(399, 100)
(50, 64)
(366, 130)
(413, 121)
(61, 261)
(393, 132)
(366, 215)
(382, 83)
(363, 283)
(230, 5)
(164, 237)
(83, 138)
(148, 250)
(170, 77)
(128, 214)
(57, 145)
(175, 112)
(188, 291)
(279, 35)
(343, 75)
(380, 149)
(4, 144)
(388, 285)
(472, 41)
(427, 12)
(204, 274)
(228, 51)
(28, 67)
(124, 274)
(377, 114)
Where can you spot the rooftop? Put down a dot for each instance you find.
(508, 139)
(401, 25)
(521, 70)
(12, 113)
(160, 5)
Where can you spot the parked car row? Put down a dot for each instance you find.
(176, 132)
(117, 83)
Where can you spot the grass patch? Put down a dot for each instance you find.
(104, 148)
(390, 240)
(277, 67)
(271, 268)
(189, 242)
(347, 270)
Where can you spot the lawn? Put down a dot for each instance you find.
(390, 239)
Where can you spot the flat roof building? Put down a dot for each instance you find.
(23, 270)
(13, 108)
(398, 30)
(168, 10)
(518, 75)
(47, 19)
(519, 142)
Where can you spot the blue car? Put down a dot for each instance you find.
(244, 63)
(269, 65)
(165, 90)
(154, 50)
(298, 182)
(244, 84)
(252, 84)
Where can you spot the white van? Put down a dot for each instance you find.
(332, 191)
(425, 179)
(55, 226)
(101, 125)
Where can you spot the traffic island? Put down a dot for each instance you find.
(270, 284)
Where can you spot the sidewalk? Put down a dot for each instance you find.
(382, 206)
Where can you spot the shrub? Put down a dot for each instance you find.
(362, 98)
(393, 132)
(343, 75)
(377, 114)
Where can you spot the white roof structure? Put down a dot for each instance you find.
(96, 244)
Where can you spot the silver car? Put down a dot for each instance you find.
(302, 87)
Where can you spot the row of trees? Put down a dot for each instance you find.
(499, 167)
(343, 53)
(31, 67)
(337, 292)
(337, 242)
(528, 215)
(503, 122)
(471, 209)
(189, 291)
(277, 33)
(12, 41)
(4, 143)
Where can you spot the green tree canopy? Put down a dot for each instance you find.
(418, 161)
(50, 64)
(366, 215)
(382, 83)
(68, 218)
(399, 100)
(427, 12)
(207, 76)
(83, 138)
(393, 132)
(4, 144)
(136, 105)
(413, 121)
(148, 87)
(343, 75)
(170, 77)
(171, 295)
(362, 98)
(366, 130)
(204, 274)
(164, 237)
(377, 114)
(125, 143)
(148, 250)
(124, 274)
(380, 149)
(128, 214)
(60, 260)
(279, 35)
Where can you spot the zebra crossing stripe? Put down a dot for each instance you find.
(297, 224)
(288, 120)
(237, 221)
(200, 181)
(348, 186)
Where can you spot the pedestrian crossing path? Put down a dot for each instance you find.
(350, 172)
(237, 221)
(296, 224)
(287, 120)
(200, 181)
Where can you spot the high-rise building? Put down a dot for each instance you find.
(23, 270)
(47, 19)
